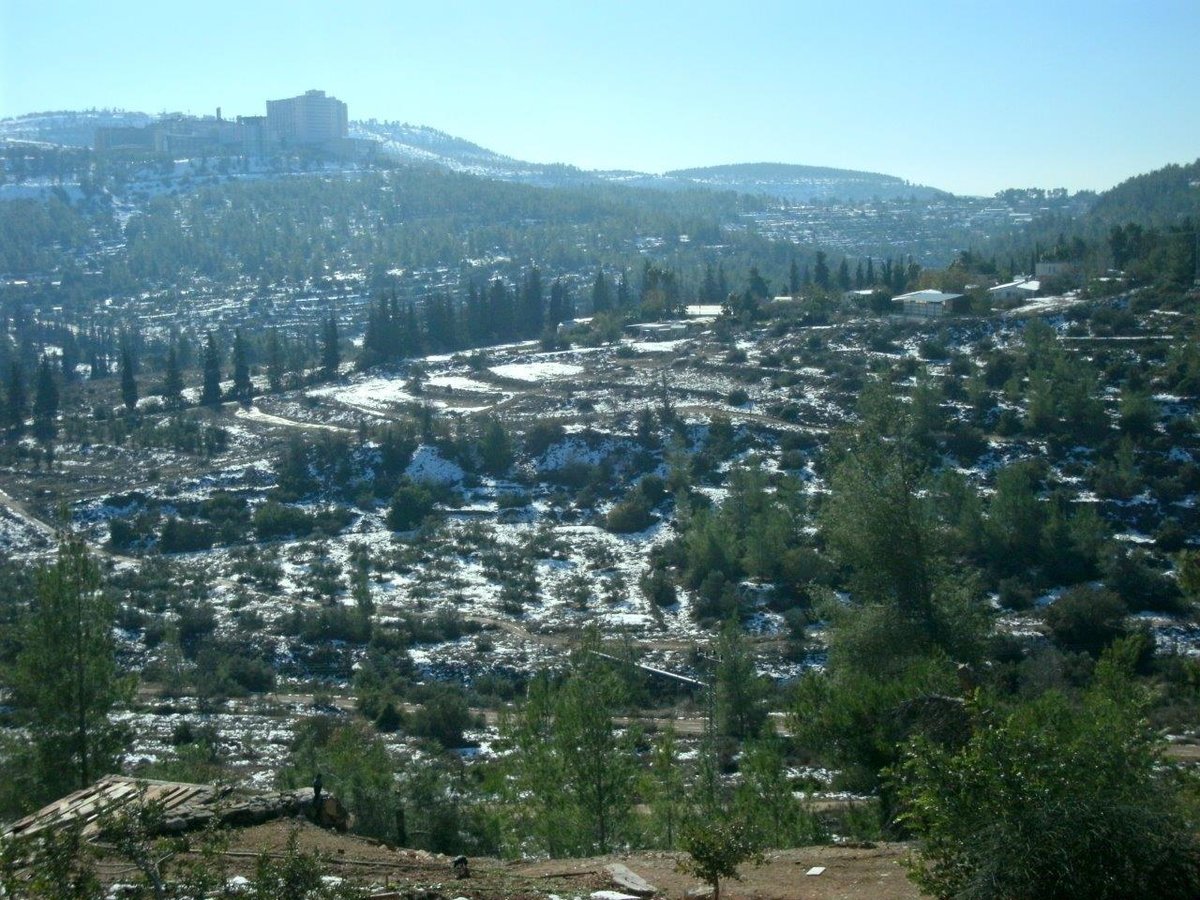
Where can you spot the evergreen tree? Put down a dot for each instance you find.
(172, 390)
(708, 288)
(45, 402)
(65, 679)
(843, 275)
(210, 390)
(129, 391)
(739, 691)
(500, 311)
(560, 309)
(274, 355)
(623, 296)
(531, 312)
(1053, 797)
(70, 357)
(243, 389)
(821, 275)
(574, 776)
(601, 294)
(15, 402)
(331, 354)
(794, 278)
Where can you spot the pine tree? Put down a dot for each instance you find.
(129, 390)
(243, 389)
(45, 403)
(331, 354)
(210, 390)
(739, 691)
(65, 679)
(794, 278)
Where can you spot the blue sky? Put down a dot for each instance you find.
(968, 96)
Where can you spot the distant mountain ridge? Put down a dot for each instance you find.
(421, 144)
(70, 128)
(805, 184)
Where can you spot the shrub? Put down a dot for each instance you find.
(184, 536)
(410, 505)
(1052, 799)
(442, 717)
(1086, 619)
(274, 520)
(630, 515)
(658, 588)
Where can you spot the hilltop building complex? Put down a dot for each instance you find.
(311, 120)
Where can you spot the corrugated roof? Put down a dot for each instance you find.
(111, 793)
(926, 296)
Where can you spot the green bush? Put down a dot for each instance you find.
(1086, 619)
(410, 505)
(185, 536)
(630, 515)
(273, 520)
(1052, 799)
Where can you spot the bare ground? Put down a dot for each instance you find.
(870, 872)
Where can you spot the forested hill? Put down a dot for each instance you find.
(804, 183)
(418, 143)
(1163, 197)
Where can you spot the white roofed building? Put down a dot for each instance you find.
(927, 304)
(1020, 290)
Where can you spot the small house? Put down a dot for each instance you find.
(1019, 290)
(928, 304)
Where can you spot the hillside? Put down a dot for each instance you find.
(422, 144)
(69, 128)
(804, 184)
(1162, 197)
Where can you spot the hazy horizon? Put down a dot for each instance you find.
(969, 100)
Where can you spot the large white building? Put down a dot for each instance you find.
(311, 118)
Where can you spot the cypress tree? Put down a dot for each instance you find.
(45, 402)
(172, 390)
(331, 354)
(243, 390)
(210, 390)
(15, 402)
(821, 271)
(129, 391)
(274, 352)
(601, 294)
